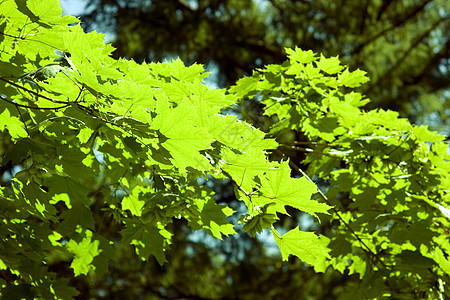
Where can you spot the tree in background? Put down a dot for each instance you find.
(402, 44)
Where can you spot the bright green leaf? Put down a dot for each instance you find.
(304, 245)
(84, 253)
(353, 79)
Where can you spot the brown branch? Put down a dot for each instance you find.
(84, 108)
(275, 232)
(32, 107)
(234, 182)
(383, 8)
(418, 40)
(444, 53)
(27, 39)
(399, 23)
(22, 119)
(33, 92)
(364, 17)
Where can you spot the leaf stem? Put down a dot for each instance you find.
(307, 150)
(308, 143)
(275, 232)
(237, 185)
(23, 120)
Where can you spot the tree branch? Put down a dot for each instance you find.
(300, 171)
(32, 107)
(396, 24)
(33, 92)
(444, 53)
(418, 40)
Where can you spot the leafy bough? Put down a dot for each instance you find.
(387, 180)
(111, 151)
(112, 141)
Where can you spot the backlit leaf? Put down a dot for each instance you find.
(84, 253)
(304, 245)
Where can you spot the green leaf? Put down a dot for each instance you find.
(20, 291)
(279, 187)
(330, 65)
(244, 86)
(147, 239)
(181, 72)
(78, 215)
(300, 56)
(244, 167)
(212, 218)
(184, 139)
(108, 254)
(75, 163)
(128, 149)
(13, 124)
(424, 135)
(63, 290)
(84, 253)
(48, 11)
(305, 245)
(440, 258)
(132, 202)
(353, 79)
(237, 134)
(66, 189)
(74, 195)
(46, 72)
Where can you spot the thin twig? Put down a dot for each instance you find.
(272, 229)
(22, 119)
(275, 232)
(308, 143)
(234, 182)
(31, 107)
(296, 168)
(33, 92)
(306, 150)
(27, 39)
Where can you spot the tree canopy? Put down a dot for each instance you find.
(402, 44)
(106, 165)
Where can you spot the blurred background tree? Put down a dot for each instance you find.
(404, 46)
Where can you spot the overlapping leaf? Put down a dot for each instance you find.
(304, 245)
(84, 253)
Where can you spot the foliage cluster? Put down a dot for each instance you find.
(402, 44)
(111, 152)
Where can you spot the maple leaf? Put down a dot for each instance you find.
(353, 79)
(184, 139)
(46, 72)
(132, 202)
(148, 239)
(212, 218)
(330, 65)
(84, 252)
(278, 186)
(300, 56)
(13, 124)
(244, 167)
(304, 245)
